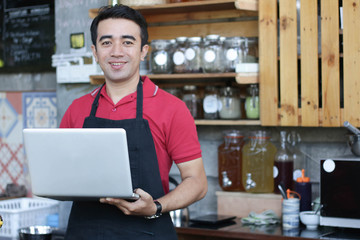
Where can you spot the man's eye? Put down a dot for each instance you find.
(106, 43)
(128, 43)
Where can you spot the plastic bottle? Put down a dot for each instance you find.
(303, 187)
(283, 165)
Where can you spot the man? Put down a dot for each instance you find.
(159, 128)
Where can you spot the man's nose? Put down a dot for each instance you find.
(117, 50)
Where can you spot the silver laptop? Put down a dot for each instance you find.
(79, 163)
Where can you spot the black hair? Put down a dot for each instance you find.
(120, 11)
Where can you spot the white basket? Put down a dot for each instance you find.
(24, 212)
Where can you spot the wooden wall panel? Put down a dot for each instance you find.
(351, 50)
(330, 63)
(288, 63)
(268, 62)
(309, 63)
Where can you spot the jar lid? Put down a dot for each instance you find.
(213, 37)
(160, 43)
(181, 39)
(189, 87)
(228, 91)
(260, 134)
(234, 40)
(194, 39)
(253, 89)
(233, 134)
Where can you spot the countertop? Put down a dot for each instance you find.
(236, 230)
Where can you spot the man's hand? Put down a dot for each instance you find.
(144, 206)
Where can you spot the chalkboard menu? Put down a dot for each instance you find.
(27, 29)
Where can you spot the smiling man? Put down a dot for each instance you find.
(160, 131)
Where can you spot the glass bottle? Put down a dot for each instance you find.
(294, 140)
(211, 103)
(252, 102)
(230, 161)
(193, 54)
(232, 53)
(258, 162)
(179, 60)
(250, 50)
(192, 100)
(283, 165)
(113, 2)
(230, 103)
(212, 59)
(160, 56)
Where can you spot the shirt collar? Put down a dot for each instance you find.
(149, 89)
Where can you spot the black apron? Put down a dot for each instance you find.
(95, 220)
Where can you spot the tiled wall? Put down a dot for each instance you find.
(20, 110)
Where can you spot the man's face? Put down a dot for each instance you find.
(118, 49)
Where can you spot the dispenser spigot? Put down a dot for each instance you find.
(249, 182)
(226, 182)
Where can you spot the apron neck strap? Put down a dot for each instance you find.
(95, 103)
(139, 100)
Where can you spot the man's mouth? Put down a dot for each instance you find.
(117, 64)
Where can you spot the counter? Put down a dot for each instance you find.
(236, 230)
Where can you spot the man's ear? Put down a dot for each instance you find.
(93, 48)
(144, 51)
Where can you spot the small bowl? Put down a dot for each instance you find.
(36, 233)
(310, 219)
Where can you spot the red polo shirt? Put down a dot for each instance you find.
(171, 123)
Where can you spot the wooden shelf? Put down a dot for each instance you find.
(204, 122)
(200, 18)
(209, 5)
(241, 78)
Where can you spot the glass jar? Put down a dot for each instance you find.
(212, 59)
(160, 56)
(230, 103)
(258, 163)
(232, 53)
(174, 91)
(191, 97)
(179, 60)
(250, 50)
(230, 161)
(211, 103)
(252, 102)
(193, 54)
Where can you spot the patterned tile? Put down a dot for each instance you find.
(11, 145)
(12, 163)
(39, 110)
(17, 111)
(8, 117)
